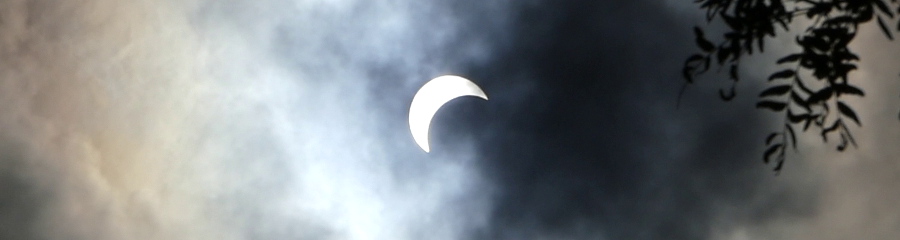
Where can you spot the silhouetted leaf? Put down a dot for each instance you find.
(686, 73)
(808, 122)
(847, 89)
(843, 145)
(796, 118)
(865, 15)
(784, 24)
(733, 73)
(884, 27)
(694, 58)
(779, 164)
(729, 96)
(723, 55)
(883, 7)
(846, 55)
(793, 137)
(817, 43)
(799, 82)
(775, 106)
(772, 150)
(818, 8)
(776, 91)
(705, 64)
(759, 44)
(830, 129)
(840, 20)
(847, 133)
(732, 22)
(690, 65)
(821, 95)
(782, 74)
(771, 137)
(799, 101)
(790, 58)
(898, 25)
(702, 42)
(848, 112)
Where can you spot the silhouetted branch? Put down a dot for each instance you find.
(825, 56)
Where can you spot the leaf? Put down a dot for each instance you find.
(770, 151)
(776, 91)
(771, 137)
(808, 121)
(705, 45)
(790, 58)
(799, 82)
(775, 106)
(827, 130)
(796, 118)
(898, 25)
(784, 23)
(727, 97)
(705, 64)
(694, 58)
(848, 112)
(819, 8)
(847, 89)
(865, 15)
(723, 55)
(843, 145)
(748, 45)
(734, 72)
(883, 7)
(686, 73)
(846, 55)
(779, 164)
(821, 95)
(847, 133)
(702, 42)
(793, 137)
(782, 74)
(733, 23)
(884, 28)
(799, 101)
(759, 44)
(840, 20)
(688, 70)
(817, 43)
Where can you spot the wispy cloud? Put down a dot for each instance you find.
(230, 120)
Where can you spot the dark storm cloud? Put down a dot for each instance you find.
(595, 147)
(21, 200)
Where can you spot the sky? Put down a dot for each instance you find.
(240, 119)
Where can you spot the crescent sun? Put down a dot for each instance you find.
(434, 94)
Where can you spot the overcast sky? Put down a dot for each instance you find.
(267, 119)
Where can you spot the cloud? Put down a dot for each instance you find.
(230, 120)
(286, 119)
(599, 142)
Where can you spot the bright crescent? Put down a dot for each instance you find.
(431, 97)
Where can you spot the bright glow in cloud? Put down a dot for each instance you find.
(231, 120)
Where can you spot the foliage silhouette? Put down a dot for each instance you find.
(812, 85)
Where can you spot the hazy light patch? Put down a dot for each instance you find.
(230, 120)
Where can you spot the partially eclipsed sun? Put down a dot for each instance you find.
(431, 97)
